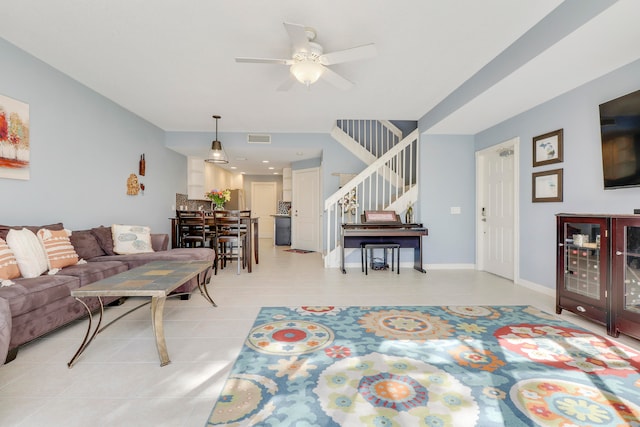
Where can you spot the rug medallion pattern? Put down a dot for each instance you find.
(427, 366)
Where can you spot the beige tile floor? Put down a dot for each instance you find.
(118, 380)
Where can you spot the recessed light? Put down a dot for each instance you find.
(234, 167)
(275, 173)
(265, 161)
(271, 168)
(299, 153)
(242, 173)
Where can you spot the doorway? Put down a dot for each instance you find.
(264, 201)
(305, 209)
(497, 198)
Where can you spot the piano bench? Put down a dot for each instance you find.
(366, 251)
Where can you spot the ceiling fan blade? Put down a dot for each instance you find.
(287, 84)
(336, 79)
(298, 37)
(265, 61)
(353, 54)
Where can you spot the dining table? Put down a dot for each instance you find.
(252, 223)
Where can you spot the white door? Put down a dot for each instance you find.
(264, 203)
(305, 209)
(497, 206)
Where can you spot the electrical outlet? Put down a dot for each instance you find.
(455, 210)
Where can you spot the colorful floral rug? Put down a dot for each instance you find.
(427, 366)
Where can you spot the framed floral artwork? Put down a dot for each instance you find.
(14, 138)
(548, 148)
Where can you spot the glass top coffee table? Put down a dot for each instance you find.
(157, 280)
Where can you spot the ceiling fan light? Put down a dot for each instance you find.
(307, 72)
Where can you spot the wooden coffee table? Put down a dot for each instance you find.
(157, 280)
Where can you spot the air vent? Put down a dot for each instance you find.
(254, 138)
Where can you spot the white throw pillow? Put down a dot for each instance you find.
(131, 239)
(29, 253)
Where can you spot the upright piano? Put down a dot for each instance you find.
(383, 227)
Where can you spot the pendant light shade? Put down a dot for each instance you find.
(217, 153)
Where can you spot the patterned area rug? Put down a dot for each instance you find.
(427, 366)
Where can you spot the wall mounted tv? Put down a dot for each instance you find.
(620, 136)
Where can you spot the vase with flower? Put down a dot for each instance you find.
(218, 198)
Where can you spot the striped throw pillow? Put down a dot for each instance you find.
(60, 251)
(8, 264)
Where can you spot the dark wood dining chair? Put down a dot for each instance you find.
(230, 238)
(192, 228)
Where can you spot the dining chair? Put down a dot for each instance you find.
(192, 228)
(230, 238)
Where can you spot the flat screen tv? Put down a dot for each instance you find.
(620, 136)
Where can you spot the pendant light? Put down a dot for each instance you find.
(217, 153)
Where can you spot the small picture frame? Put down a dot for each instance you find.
(547, 186)
(548, 148)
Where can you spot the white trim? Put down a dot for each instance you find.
(536, 287)
(449, 266)
(513, 143)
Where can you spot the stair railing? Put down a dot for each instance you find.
(380, 186)
(376, 136)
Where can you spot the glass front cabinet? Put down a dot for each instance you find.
(582, 266)
(625, 278)
(598, 270)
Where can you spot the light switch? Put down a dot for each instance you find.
(455, 210)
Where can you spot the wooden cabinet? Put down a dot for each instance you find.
(598, 270)
(625, 278)
(582, 266)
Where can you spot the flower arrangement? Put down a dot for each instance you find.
(219, 197)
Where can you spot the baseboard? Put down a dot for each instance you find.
(447, 266)
(536, 287)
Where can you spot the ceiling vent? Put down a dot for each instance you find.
(254, 138)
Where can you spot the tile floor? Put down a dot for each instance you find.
(118, 380)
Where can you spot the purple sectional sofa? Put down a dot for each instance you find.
(33, 307)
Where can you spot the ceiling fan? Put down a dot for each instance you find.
(308, 61)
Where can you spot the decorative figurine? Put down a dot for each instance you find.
(133, 187)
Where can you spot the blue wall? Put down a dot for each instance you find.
(447, 179)
(577, 113)
(83, 148)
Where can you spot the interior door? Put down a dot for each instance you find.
(264, 203)
(305, 209)
(497, 210)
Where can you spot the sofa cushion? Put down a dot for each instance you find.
(56, 244)
(94, 271)
(29, 294)
(131, 239)
(8, 264)
(31, 257)
(86, 244)
(103, 235)
(5, 329)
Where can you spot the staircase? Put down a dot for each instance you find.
(390, 181)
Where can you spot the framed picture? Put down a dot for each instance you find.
(547, 186)
(14, 139)
(547, 148)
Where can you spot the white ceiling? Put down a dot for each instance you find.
(172, 61)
